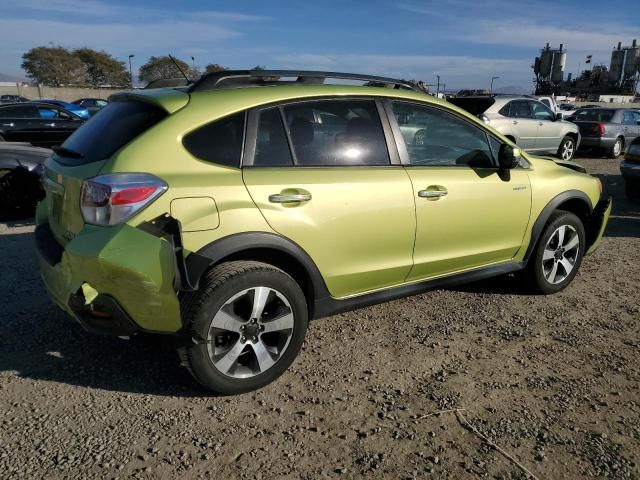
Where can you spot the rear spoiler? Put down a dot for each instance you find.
(169, 99)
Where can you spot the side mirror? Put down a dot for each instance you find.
(508, 157)
(558, 116)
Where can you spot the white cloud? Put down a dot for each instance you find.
(455, 71)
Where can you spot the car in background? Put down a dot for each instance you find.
(607, 129)
(21, 167)
(567, 109)
(13, 99)
(630, 170)
(81, 112)
(40, 124)
(525, 121)
(93, 105)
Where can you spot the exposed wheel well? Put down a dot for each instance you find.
(572, 135)
(578, 207)
(283, 261)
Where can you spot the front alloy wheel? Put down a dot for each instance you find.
(558, 253)
(245, 326)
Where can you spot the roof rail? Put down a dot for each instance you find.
(238, 78)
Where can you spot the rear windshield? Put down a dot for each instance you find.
(109, 130)
(594, 115)
(474, 106)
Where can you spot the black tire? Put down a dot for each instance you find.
(218, 286)
(536, 268)
(616, 149)
(20, 192)
(566, 143)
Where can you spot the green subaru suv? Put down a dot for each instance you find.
(231, 211)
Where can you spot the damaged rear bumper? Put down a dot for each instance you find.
(132, 274)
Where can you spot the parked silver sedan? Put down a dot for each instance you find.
(610, 130)
(527, 122)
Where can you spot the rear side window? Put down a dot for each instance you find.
(594, 115)
(116, 125)
(272, 149)
(19, 111)
(336, 133)
(218, 142)
(519, 109)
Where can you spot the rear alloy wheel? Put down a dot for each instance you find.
(616, 149)
(247, 324)
(567, 149)
(558, 254)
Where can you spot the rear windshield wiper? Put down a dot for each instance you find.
(66, 152)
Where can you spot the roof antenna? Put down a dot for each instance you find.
(180, 70)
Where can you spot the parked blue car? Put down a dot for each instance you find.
(82, 112)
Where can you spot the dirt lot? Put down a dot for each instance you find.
(553, 380)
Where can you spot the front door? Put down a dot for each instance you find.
(548, 137)
(335, 192)
(523, 126)
(468, 213)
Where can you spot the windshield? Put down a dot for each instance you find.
(109, 130)
(594, 115)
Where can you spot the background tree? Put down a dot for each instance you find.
(102, 68)
(53, 66)
(162, 67)
(214, 67)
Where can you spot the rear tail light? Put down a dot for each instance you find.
(115, 198)
(633, 152)
(598, 129)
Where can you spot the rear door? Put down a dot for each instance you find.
(18, 123)
(469, 214)
(523, 125)
(322, 175)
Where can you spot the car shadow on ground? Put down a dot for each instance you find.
(41, 342)
(625, 214)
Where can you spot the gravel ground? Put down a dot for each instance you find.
(554, 381)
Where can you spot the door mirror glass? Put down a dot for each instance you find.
(508, 157)
(558, 116)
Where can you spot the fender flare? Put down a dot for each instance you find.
(546, 212)
(214, 252)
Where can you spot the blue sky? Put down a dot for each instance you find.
(463, 41)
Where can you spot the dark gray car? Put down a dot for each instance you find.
(607, 129)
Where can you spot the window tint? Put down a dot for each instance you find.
(331, 133)
(519, 109)
(594, 115)
(217, 142)
(272, 148)
(118, 124)
(506, 110)
(540, 111)
(438, 138)
(18, 111)
(49, 112)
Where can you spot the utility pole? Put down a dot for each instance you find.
(438, 87)
(131, 70)
(193, 62)
(491, 87)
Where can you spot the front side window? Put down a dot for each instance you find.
(540, 111)
(336, 133)
(434, 137)
(217, 142)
